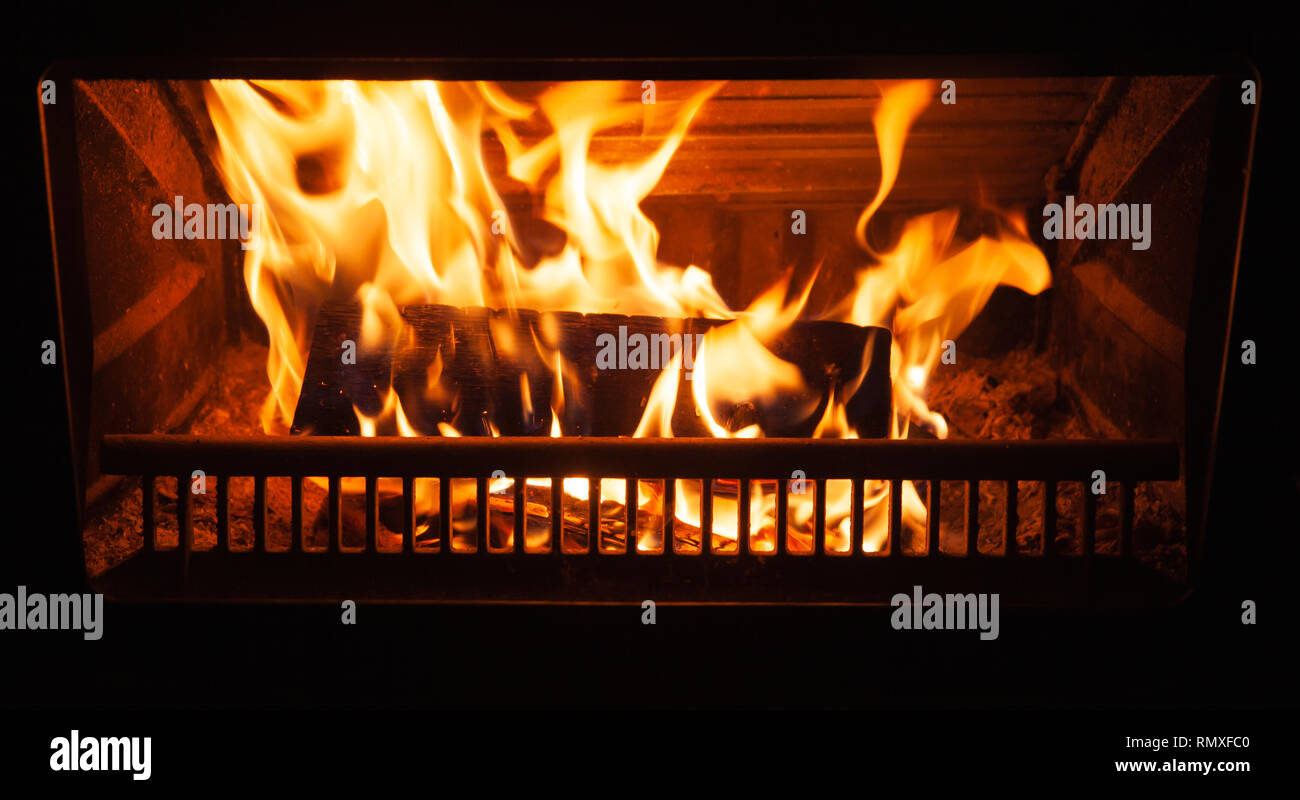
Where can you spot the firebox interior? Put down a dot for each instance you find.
(885, 433)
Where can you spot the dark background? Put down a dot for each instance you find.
(1191, 670)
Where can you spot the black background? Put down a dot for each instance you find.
(244, 677)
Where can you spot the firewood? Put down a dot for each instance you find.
(475, 358)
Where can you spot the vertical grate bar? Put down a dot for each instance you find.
(706, 516)
(521, 514)
(1012, 522)
(593, 515)
(744, 539)
(1049, 518)
(972, 518)
(819, 521)
(782, 510)
(223, 512)
(148, 496)
(408, 513)
(896, 518)
(557, 515)
(184, 514)
(295, 515)
(670, 516)
(372, 514)
(444, 514)
(259, 514)
(1126, 519)
(481, 513)
(932, 518)
(855, 532)
(629, 524)
(335, 542)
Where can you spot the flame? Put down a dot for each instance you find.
(927, 289)
(381, 192)
(899, 108)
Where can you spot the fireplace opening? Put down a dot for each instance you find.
(754, 340)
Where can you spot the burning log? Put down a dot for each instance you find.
(483, 371)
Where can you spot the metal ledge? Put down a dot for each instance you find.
(760, 459)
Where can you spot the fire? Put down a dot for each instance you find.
(382, 193)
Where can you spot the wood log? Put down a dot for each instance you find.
(467, 367)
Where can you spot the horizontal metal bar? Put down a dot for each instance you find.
(767, 459)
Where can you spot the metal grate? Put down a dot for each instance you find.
(1124, 462)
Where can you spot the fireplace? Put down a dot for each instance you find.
(699, 332)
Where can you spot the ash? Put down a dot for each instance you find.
(1019, 395)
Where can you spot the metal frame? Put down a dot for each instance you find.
(1214, 283)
